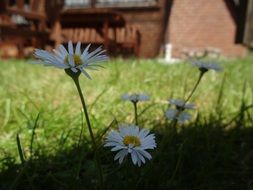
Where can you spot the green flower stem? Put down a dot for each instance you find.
(195, 87)
(135, 113)
(190, 95)
(90, 131)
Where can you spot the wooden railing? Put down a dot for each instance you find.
(33, 11)
(120, 39)
(23, 23)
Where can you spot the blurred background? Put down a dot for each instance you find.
(140, 28)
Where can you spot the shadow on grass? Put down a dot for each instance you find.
(193, 157)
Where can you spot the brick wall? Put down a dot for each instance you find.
(200, 24)
(149, 22)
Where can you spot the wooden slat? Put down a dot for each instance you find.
(34, 4)
(75, 35)
(84, 35)
(81, 35)
(99, 38)
(87, 34)
(68, 33)
(20, 4)
(72, 34)
(24, 32)
(35, 32)
(120, 34)
(110, 34)
(93, 35)
(27, 14)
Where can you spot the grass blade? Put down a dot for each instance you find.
(20, 150)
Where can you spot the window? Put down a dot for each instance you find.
(75, 3)
(109, 3)
(125, 2)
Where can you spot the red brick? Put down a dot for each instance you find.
(199, 24)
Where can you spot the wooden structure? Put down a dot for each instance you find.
(121, 26)
(97, 26)
(138, 27)
(23, 23)
(37, 23)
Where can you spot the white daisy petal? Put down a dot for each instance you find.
(93, 53)
(135, 97)
(206, 65)
(96, 59)
(96, 65)
(86, 74)
(111, 143)
(73, 60)
(58, 53)
(149, 144)
(116, 148)
(63, 50)
(122, 158)
(143, 97)
(181, 104)
(145, 154)
(121, 155)
(171, 113)
(183, 117)
(190, 106)
(134, 157)
(74, 69)
(85, 52)
(130, 139)
(78, 48)
(125, 97)
(141, 157)
(49, 58)
(88, 67)
(143, 133)
(70, 47)
(179, 112)
(139, 163)
(114, 136)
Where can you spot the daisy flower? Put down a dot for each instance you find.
(181, 116)
(135, 97)
(181, 104)
(178, 113)
(72, 60)
(130, 139)
(206, 66)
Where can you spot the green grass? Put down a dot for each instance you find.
(186, 158)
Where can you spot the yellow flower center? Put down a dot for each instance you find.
(77, 59)
(133, 140)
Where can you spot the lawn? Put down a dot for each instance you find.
(213, 151)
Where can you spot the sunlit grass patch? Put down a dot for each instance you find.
(30, 92)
